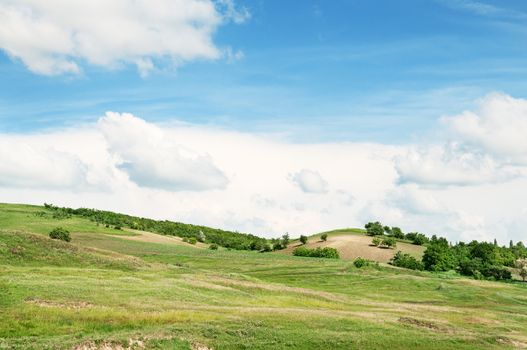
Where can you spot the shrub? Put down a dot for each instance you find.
(303, 239)
(117, 227)
(267, 248)
(360, 262)
(330, 253)
(324, 237)
(376, 241)
(389, 242)
(407, 261)
(185, 239)
(60, 233)
(213, 246)
(192, 240)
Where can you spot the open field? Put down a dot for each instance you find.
(103, 291)
(353, 243)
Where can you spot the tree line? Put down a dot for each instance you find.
(481, 260)
(227, 239)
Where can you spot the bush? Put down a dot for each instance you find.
(60, 233)
(267, 248)
(324, 237)
(192, 240)
(213, 246)
(376, 241)
(407, 261)
(389, 242)
(303, 239)
(330, 253)
(360, 262)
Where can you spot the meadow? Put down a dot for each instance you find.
(104, 290)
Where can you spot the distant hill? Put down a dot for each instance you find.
(352, 243)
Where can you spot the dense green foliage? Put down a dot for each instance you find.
(389, 242)
(318, 252)
(228, 239)
(324, 237)
(374, 228)
(407, 261)
(480, 260)
(61, 234)
(303, 239)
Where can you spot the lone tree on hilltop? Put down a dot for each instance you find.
(303, 239)
(324, 237)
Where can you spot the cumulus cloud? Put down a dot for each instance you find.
(309, 181)
(152, 159)
(498, 128)
(56, 36)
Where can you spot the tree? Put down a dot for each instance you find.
(61, 234)
(192, 240)
(376, 241)
(397, 233)
(324, 237)
(439, 257)
(521, 265)
(387, 230)
(389, 242)
(201, 236)
(213, 246)
(303, 239)
(374, 228)
(285, 240)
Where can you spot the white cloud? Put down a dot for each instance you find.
(450, 164)
(455, 188)
(153, 159)
(309, 181)
(498, 128)
(29, 166)
(57, 36)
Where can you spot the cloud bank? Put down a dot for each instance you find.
(57, 36)
(464, 185)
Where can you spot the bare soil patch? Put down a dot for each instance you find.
(351, 246)
(149, 237)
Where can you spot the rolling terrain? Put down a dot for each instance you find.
(113, 289)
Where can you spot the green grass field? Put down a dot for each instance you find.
(102, 291)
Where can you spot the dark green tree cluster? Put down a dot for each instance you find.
(227, 239)
(327, 252)
(477, 259)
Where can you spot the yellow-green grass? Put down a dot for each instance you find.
(169, 296)
(353, 243)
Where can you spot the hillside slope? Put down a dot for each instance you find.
(106, 291)
(353, 243)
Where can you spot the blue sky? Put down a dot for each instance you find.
(380, 71)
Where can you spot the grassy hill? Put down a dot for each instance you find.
(111, 289)
(353, 243)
